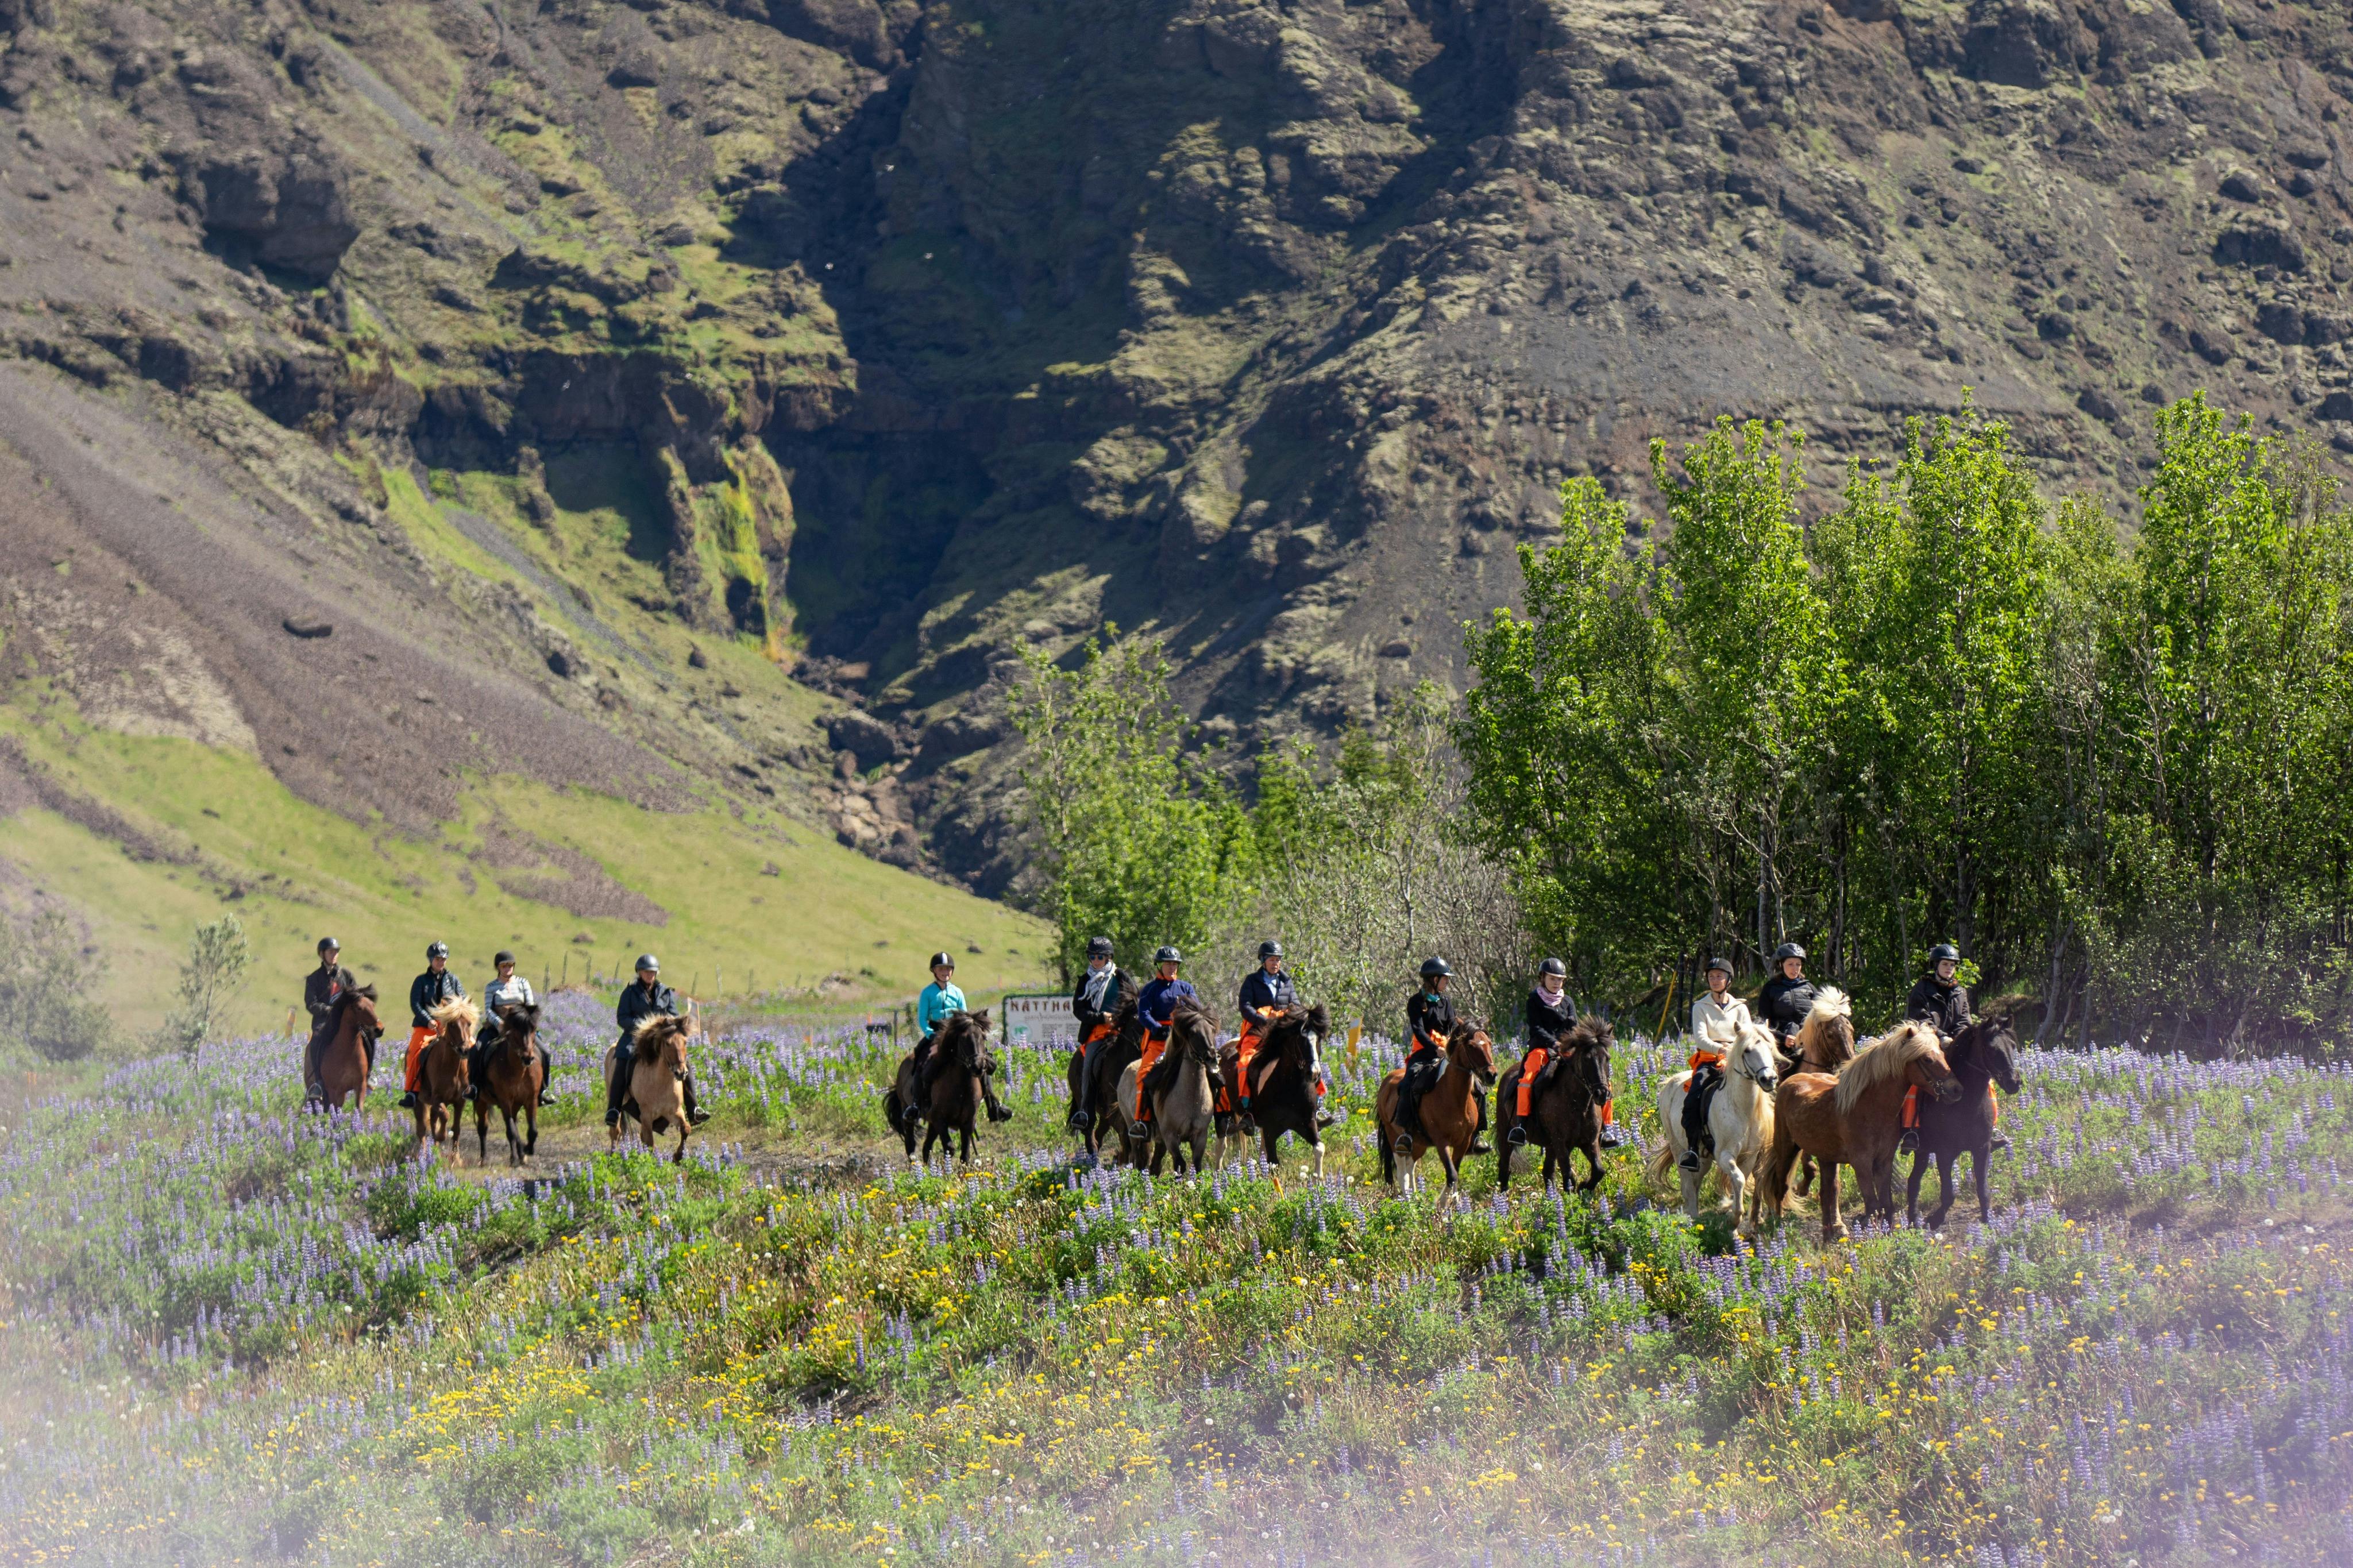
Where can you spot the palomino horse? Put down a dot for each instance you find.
(347, 1052)
(1740, 1120)
(512, 1080)
(1855, 1119)
(1183, 1090)
(1449, 1112)
(442, 1083)
(1287, 1096)
(1980, 1056)
(961, 1068)
(1564, 1109)
(1113, 1055)
(657, 1090)
(1824, 1043)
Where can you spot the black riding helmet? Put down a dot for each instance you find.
(1098, 947)
(438, 950)
(1789, 950)
(941, 958)
(1943, 951)
(329, 944)
(1167, 956)
(1269, 949)
(503, 956)
(1553, 966)
(1431, 968)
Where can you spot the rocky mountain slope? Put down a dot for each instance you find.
(729, 389)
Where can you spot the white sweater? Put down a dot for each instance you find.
(1714, 1020)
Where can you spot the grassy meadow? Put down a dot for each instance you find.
(233, 1332)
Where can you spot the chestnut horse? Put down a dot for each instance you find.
(657, 1092)
(346, 1054)
(442, 1081)
(1288, 1096)
(1449, 1112)
(1565, 1112)
(1856, 1119)
(512, 1079)
(1980, 1056)
(1824, 1043)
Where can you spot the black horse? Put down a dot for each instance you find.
(1100, 1109)
(1565, 1110)
(1288, 1067)
(959, 1072)
(1980, 1056)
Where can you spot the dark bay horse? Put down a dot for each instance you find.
(1980, 1056)
(961, 1066)
(1449, 1112)
(1113, 1054)
(512, 1079)
(1565, 1110)
(1288, 1067)
(442, 1082)
(343, 1053)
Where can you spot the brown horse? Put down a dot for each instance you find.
(1449, 1112)
(1100, 1113)
(1856, 1119)
(512, 1079)
(1288, 1068)
(1565, 1110)
(1824, 1043)
(656, 1089)
(960, 1070)
(343, 1053)
(442, 1082)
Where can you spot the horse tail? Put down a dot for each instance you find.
(1663, 1157)
(1388, 1157)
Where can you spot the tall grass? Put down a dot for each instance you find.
(236, 1332)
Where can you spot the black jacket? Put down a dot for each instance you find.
(1945, 1006)
(1429, 1020)
(1784, 1004)
(321, 986)
(1117, 992)
(1547, 1020)
(428, 990)
(638, 1005)
(1263, 993)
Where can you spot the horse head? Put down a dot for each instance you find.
(518, 1028)
(362, 1000)
(1587, 1044)
(1826, 1040)
(456, 1018)
(1750, 1054)
(1311, 1027)
(662, 1038)
(1197, 1027)
(1929, 1069)
(1472, 1050)
(1991, 1043)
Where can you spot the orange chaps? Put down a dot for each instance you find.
(1912, 1105)
(1155, 1043)
(419, 1039)
(1245, 1048)
(1530, 1065)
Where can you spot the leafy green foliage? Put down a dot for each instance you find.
(45, 980)
(218, 956)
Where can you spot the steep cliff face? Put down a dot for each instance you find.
(907, 335)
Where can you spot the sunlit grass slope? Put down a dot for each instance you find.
(237, 839)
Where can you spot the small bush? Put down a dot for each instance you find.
(218, 957)
(46, 979)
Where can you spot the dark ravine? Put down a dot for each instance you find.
(909, 335)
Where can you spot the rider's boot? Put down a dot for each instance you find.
(1479, 1146)
(694, 1117)
(408, 1100)
(615, 1092)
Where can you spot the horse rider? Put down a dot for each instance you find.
(508, 990)
(1549, 1017)
(1156, 1006)
(1095, 1004)
(648, 998)
(1430, 1023)
(1788, 996)
(1715, 1019)
(426, 992)
(1267, 993)
(320, 989)
(932, 1005)
(1939, 1000)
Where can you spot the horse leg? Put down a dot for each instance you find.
(1833, 1227)
(531, 1127)
(515, 1144)
(1446, 1163)
(1979, 1159)
(678, 1155)
(481, 1131)
(1503, 1162)
(1805, 1182)
(1912, 1190)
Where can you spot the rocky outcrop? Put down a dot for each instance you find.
(287, 213)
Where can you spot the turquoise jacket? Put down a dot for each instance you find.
(935, 1005)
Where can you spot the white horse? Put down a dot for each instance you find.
(1740, 1117)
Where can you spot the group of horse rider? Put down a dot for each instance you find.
(1937, 999)
(437, 985)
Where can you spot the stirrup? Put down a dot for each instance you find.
(1518, 1136)
(1910, 1142)
(697, 1118)
(1077, 1122)
(1137, 1131)
(1998, 1141)
(1404, 1141)
(1690, 1162)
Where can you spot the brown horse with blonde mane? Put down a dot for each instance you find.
(442, 1081)
(347, 1052)
(512, 1080)
(1449, 1112)
(656, 1093)
(1855, 1119)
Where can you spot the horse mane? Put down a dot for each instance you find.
(459, 1009)
(1831, 1007)
(1196, 1015)
(659, 1030)
(523, 1015)
(1890, 1057)
(1590, 1029)
(1317, 1019)
(344, 999)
